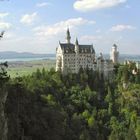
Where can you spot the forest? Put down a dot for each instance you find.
(48, 105)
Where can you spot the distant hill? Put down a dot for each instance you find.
(12, 55)
(15, 55)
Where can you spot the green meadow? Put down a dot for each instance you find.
(16, 69)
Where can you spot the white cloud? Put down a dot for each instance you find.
(60, 27)
(90, 38)
(119, 28)
(88, 5)
(5, 25)
(43, 4)
(28, 18)
(2, 15)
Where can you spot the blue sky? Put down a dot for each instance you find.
(38, 25)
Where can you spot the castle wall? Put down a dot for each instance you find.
(73, 62)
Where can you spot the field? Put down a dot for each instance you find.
(28, 67)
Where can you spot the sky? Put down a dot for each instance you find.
(37, 26)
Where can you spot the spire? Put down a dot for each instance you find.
(76, 46)
(68, 37)
(76, 42)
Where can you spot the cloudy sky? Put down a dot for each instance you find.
(38, 25)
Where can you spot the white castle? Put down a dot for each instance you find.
(71, 57)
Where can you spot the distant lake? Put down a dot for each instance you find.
(122, 58)
(27, 59)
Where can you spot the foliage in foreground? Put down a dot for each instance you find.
(50, 106)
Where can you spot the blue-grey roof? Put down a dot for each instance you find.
(70, 48)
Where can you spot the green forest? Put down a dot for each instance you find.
(48, 105)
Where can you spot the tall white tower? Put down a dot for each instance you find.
(114, 55)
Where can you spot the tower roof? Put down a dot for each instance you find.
(76, 42)
(114, 45)
(68, 32)
(68, 37)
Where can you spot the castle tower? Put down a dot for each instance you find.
(114, 55)
(68, 37)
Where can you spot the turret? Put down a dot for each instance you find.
(76, 46)
(114, 54)
(68, 37)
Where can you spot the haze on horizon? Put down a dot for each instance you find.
(37, 26)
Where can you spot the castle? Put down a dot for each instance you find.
(71, 57)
